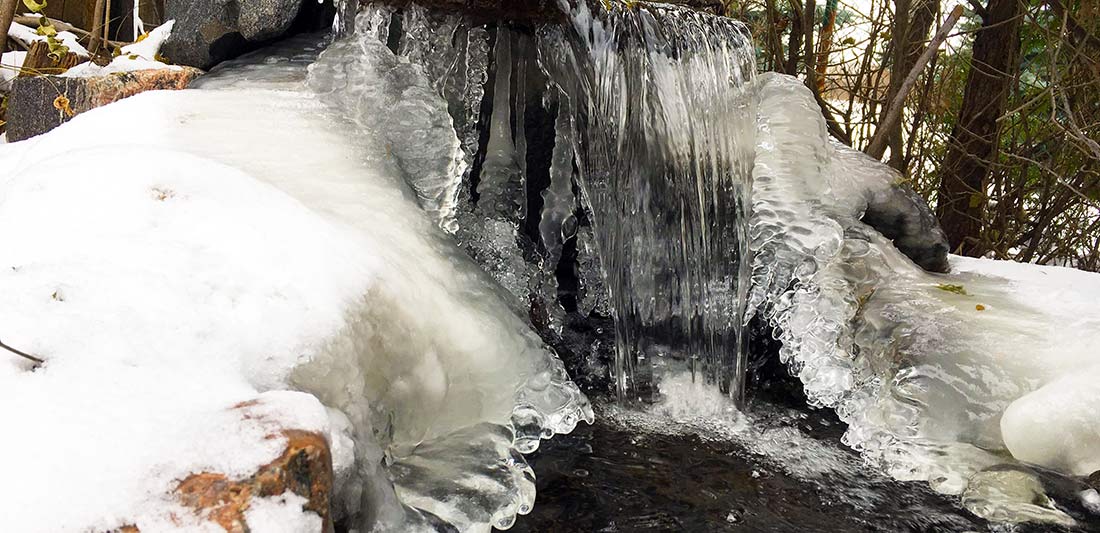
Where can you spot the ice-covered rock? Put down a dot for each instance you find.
(937, 376)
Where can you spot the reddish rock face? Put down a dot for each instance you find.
(41, 103)
(304, 468)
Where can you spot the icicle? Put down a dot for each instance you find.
(558, 200)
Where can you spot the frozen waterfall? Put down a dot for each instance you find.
(618, 147)
(599, 167)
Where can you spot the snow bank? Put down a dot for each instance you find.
(160, 299)
(186, 251)
(1058, 424)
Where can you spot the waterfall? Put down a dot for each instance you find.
(598, 167)
(661, 101)
(615, 147)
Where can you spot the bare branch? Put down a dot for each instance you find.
(22, 354)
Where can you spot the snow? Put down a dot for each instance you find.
(119, 64)
(282, 514)
(141, 55)
(28, 35)
(1057, 424)
(187, 251)
(10, 63)
(149, 47)
(159, 300)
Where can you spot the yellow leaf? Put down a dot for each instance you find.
(957, 289)
(61, 103)
(35, 6)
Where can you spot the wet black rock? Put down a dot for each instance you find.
(902, 216)
(208, 32)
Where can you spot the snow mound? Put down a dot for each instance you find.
(186, 251)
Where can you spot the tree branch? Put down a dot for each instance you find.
(24, 355)
(890, 119)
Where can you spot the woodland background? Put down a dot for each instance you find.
(999, 129)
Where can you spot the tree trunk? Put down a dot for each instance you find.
(919, 25)
(972, 149)
(794, 39)
(825, 43)
(7, 13)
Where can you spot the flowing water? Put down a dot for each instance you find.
(660, 100)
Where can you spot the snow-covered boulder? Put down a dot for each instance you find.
(34, 107)
(182, 254)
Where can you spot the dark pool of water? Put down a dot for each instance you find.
(610, 478)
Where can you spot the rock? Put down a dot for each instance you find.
(304, 468)
(210, 31)
(901, 215)
(36, 105)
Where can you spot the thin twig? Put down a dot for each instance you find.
(22, 354)
(878, 144)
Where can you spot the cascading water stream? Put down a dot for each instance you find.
(661, 101)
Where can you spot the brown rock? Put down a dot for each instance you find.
(41, 103)
(304, 468)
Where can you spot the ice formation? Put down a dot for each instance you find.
(644, 122)
(650, 110)
(622, 145)
(252, 242)
(937, 376)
